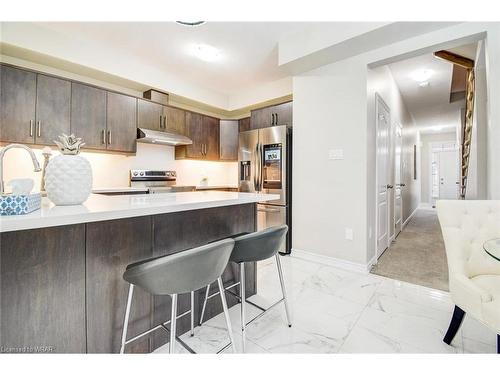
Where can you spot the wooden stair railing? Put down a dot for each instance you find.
(466, 133)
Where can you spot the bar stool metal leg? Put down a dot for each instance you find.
(127, 315)
(204, 304)
(192, 313)
(173, 321)
(283, 290)
(226, 312)
(242, 309)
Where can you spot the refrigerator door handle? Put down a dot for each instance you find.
(255, 168)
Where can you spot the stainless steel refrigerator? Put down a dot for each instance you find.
(265, 165)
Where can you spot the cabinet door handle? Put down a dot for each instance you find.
(165, 122)
(103, 135)
(31, 128)
(160, 120)
(272, 118)
(109, 137)
(39, 125)
(276, 119)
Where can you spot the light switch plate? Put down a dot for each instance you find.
(336, 154)
(349, 234)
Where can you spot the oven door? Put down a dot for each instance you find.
(270, 216)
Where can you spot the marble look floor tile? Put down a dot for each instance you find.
(352, 286)
(412, 330)
(476, 347)
(474, 330)
(417, 294)
(363, 340)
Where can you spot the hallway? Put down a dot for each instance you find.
(418, 254)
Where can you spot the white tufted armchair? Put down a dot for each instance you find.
(474, 276)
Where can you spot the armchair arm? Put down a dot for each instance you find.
(465, 293)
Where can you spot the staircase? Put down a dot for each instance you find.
(466, 131)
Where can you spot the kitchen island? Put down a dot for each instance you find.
(61, 267)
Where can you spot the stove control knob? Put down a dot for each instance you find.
(167, 174)
(135, 173)
(142, 173)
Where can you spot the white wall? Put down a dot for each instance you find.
(112, 170)
(426, 140)
(330, 111)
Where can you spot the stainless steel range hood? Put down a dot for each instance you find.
(162, 138)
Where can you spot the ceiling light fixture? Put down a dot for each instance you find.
(191, 23)
(424, 84)
(422, 75)
(205, 52)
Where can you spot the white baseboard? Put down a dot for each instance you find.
(409, 217)
(333, 262)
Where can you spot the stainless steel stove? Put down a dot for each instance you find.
(157, 181)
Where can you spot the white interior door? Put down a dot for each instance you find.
(398, 189)
(383, 127)
(448, 187)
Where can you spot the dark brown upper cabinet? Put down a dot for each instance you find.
(17, 105)
(228, 140)
(88, 115)
(275, 115)
(121, 124)
(194, 131)
(282, 114)
(211, 137)
(175, 120)
(260, 118)
(204, 132)
(150, 115)
(244, 124)
(53, 109)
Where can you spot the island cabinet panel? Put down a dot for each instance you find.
(181, 231)
(111, 246)
(43, 290)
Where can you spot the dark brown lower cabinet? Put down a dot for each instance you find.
(42, 297)
(62, 288)
(111, 246)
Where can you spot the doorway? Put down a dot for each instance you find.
(444, 171)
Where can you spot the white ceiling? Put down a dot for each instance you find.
(429, 106)
(249, 50)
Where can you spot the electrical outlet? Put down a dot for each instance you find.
(336, 154)
(349, 234)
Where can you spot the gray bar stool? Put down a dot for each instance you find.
(175, 274)
(254, 247)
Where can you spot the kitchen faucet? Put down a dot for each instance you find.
(36, 165)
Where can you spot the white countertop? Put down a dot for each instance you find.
(208, 187)
(118, 189)
(102, 207)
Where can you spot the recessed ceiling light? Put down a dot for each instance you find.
(422, 75)
(191, 23)
(205, 52)
(424, 84)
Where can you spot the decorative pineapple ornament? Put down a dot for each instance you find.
(68, 177)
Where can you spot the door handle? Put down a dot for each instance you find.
(165, 122)
(103, 136)
(276, 118)
(272, 118)
(389, 186)
(31, 128)
(109, 137)
(160, 121)
(401, 185)
(39, 125)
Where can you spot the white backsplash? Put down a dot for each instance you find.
(112, 170)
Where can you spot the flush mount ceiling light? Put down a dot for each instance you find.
(191, 23)
(422, 75)
(424, 84)
(205, 52)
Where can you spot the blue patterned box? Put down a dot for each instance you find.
(19, 204)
